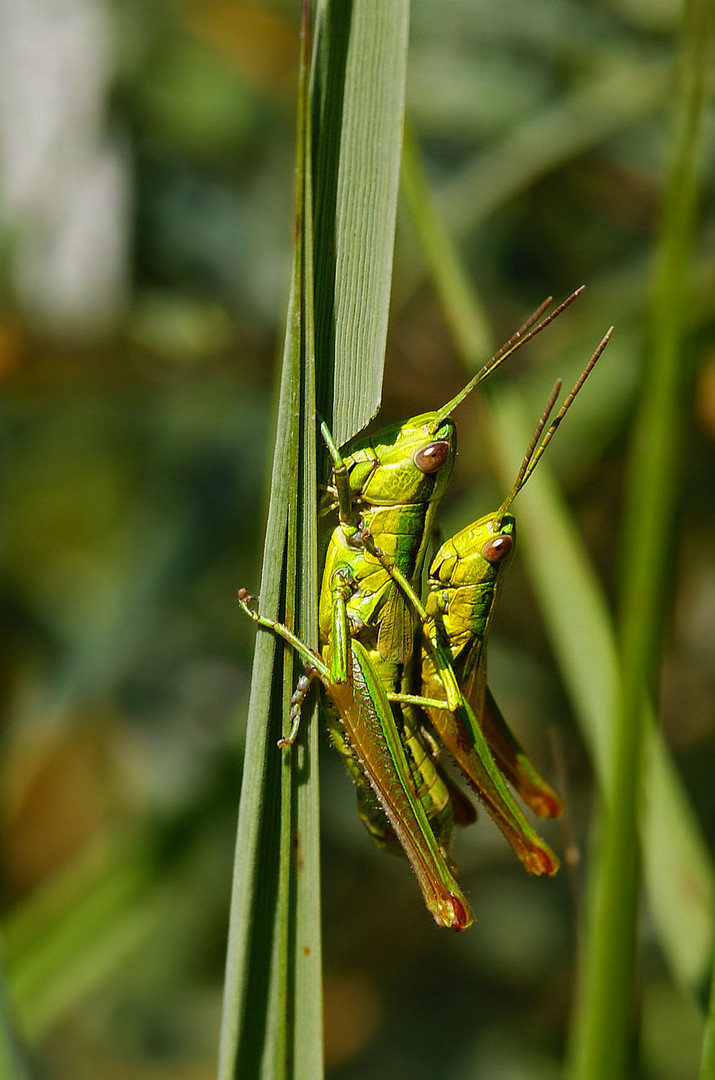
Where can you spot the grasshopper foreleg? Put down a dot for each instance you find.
(313, 663)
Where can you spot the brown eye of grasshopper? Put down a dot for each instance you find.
(432, 457)
(497, 548)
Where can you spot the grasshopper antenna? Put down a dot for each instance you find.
(525, 333)
(536, 448)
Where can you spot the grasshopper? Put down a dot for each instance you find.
(386, 491)
(463, 582)
(443, 802)
(388, 488)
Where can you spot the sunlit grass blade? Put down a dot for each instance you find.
(256, 1031)
(679, 872)
(352, 130)
(359, 81)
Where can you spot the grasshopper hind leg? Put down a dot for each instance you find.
(314, 666)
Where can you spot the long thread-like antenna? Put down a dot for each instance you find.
(536, 449)
(516, 341)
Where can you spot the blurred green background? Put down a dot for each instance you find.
(146, 171)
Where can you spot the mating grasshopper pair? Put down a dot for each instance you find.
(386, 492)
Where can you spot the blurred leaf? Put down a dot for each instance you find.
(12, 1060)
(61, 961)
(565, 583)
(602, 1025)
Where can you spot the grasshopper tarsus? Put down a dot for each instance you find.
(296, 701)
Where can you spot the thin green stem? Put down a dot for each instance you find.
(603, 1024)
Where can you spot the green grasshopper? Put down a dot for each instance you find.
(388, 487)
(387, 490)
(443, 802)
(464, 581)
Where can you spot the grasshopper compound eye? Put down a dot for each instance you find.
(497, 548)
(430, 458)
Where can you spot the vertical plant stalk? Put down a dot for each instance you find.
(359, 74)
(350, 121)
(274, 932)
(603, 1023)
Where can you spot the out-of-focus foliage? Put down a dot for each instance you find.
(146, 176)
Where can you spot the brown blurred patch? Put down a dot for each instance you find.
(57, 798)
(11, 348)
(261, 42)
(705, 397)
(353, 1009)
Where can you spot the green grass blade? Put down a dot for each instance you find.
(604, 1008)
(359, 98)
(66, 961)
(256, 1031)
(677, 866)
(460, 302)
(351, 136)
(679, 873)
(301, 845)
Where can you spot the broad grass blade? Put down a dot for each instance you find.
(359, 96)
(351, 130)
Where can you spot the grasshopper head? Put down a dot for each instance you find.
(404, 463)
(478, 554)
